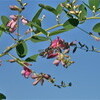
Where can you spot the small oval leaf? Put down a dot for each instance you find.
(4, 20)
(71, 23)
(39, 38)
(32, 58)
(74, 50)
(21, 49)
(96, 27)
(2, 96)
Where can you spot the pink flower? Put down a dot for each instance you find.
(29, 31)
(40, 78)
(56, 62)
(12, 24)
(11, 60)
(14, 17)
(26, 72)
(27, 64)
(24, 20)
(57, 43)
(52, 55)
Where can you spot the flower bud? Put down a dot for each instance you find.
(11, 60)
(46, 76)
(16, 8)
(56, 62)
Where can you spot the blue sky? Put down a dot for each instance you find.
(84, 73)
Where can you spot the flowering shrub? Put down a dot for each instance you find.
(58, 49)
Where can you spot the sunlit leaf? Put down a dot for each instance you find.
(4, 20)
(71, 23)
(96, 27)
(49, 8)
(94, 3)
(2, 96)
(83, 13)
(39, 38)
(32, 58)
(21, 49)
(37, 15)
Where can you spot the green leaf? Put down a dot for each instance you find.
(49, 8)
(2, 29)
(58, 31)
(32, 58)
(71, 23)
(86, 5)
(4, 20)
(94, 3)
(83, 13)
(38, 38)
(2, 96)
(96, 27)
(21, 49)
(38, 27)
(59, 9)
(1, 33)
(37, 15)
(38, 22)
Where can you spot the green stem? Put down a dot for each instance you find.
(93, 18)
(83, 30)
(55, 26)
(11, 36)
(12, 56)
(18, 25)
